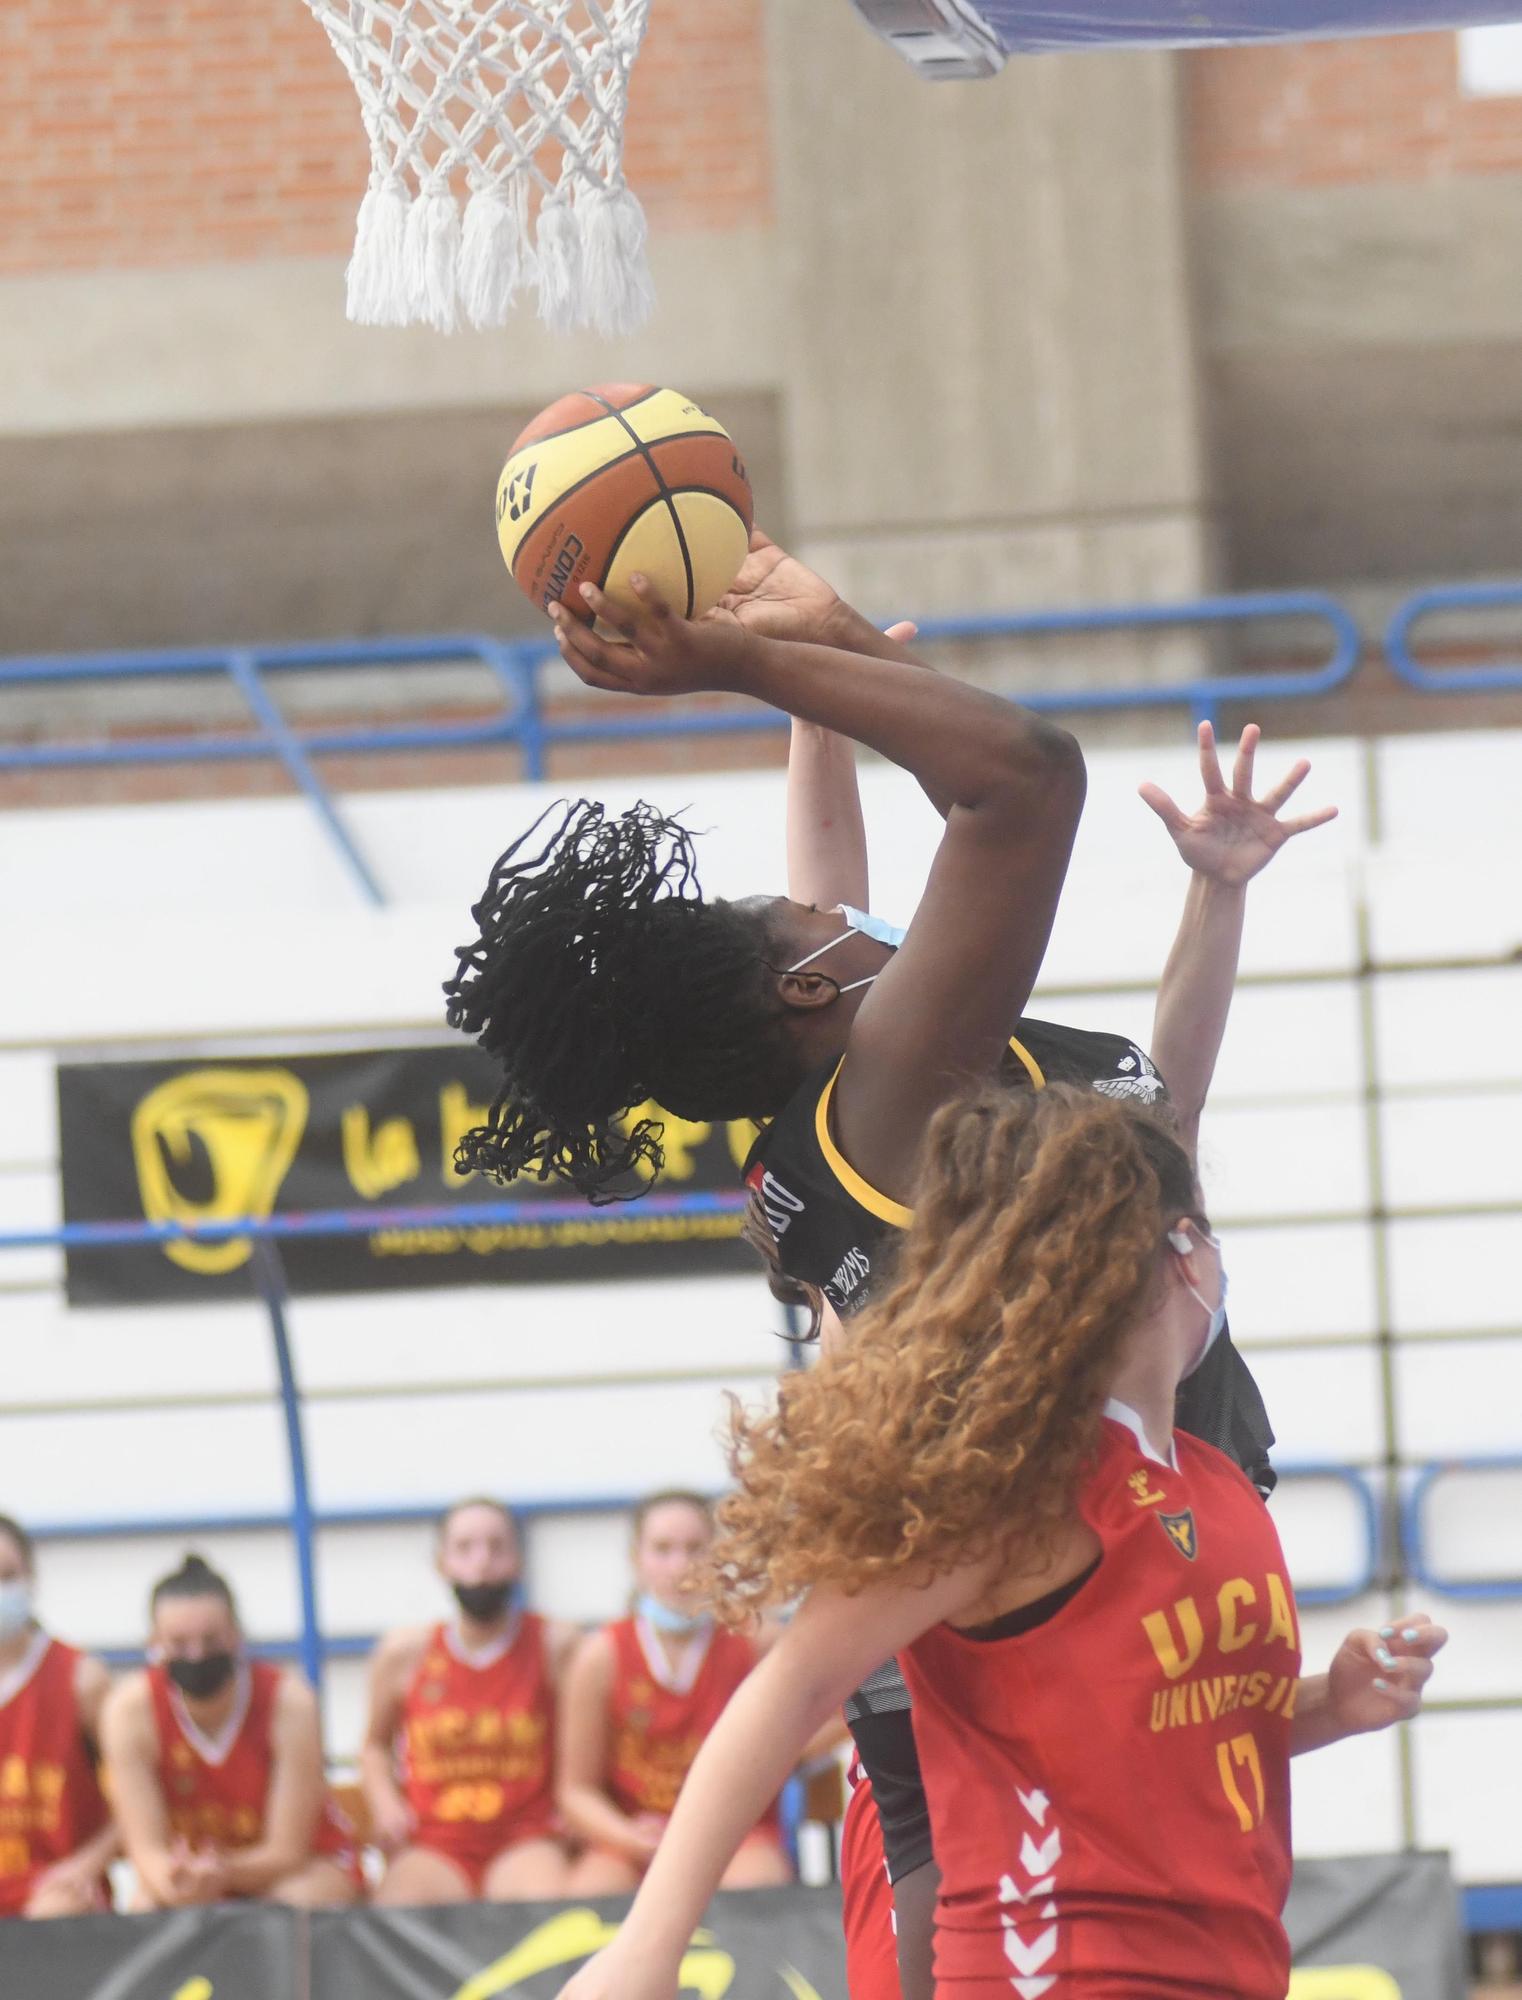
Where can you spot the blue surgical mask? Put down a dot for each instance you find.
(15, 1607)
(868, 926)
(1183, 1243)
(663, 1619)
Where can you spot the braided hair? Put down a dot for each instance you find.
(600, 980)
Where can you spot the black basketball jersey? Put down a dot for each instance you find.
(835, 1231)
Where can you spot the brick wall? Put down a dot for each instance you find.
(1320, 114)
(162, 132)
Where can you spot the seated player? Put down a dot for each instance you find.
(458, 1759)
(640, 1697)
(1091, 1606)
(215, 1764)
(56, 1835)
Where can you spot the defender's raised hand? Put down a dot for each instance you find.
(1233, 835)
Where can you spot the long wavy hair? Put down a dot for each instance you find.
(958, 1415)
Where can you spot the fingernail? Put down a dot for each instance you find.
(638, 578)
(1409, 1634)
(1384, 1656)
(1383, 1686)
(1387, 1631)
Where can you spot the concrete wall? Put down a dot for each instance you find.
(1357, 230)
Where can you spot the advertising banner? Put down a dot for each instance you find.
(1385, 1928)
(373, 1131)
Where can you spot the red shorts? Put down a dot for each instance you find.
(866, 1898)
(474, 1850)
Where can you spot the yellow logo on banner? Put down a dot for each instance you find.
(198, 1988)
(238, 1127)
(1342, 1982)
(706, 1970)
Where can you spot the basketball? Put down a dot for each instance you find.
(618, 479)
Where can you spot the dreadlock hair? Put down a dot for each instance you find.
(958, 1418)
(600, 981)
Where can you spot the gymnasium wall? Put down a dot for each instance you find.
(1357, 1156)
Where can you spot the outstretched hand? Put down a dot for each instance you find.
(1377, 1678)
(660, 653)
(1233, 835)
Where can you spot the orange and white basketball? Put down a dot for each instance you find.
(621, 478)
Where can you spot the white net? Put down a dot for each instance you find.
(514, 112)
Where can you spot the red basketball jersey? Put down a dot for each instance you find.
(215, 1792)
(659, 1723)
(50, 1798)
(1109, 1791)
(477, 1743)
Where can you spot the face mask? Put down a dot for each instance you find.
(15, 1607)
(1183, 1243)
(204, 1677)
(485, 1602)
(868, 926)
(664, 1619)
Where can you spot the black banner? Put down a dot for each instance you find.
(376, 1131)
(1384, 1928)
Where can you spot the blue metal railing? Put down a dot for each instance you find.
(1414, 1531)
(1500, 675)
(521, 722)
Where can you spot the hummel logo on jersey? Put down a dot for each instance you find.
(1141, 1493)
(1179, 1529)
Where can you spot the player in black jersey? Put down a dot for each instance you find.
(827, 1236)
(600, 979)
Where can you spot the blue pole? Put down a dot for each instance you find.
(269, 1277)
(288, 747)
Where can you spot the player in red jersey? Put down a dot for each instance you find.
(1091, 1606)
(641, 1696)
(215, 1764)
(458, 1759)
(56, 1835)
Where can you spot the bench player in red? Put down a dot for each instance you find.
(56, 1835)
(641, 1696)
(1091, 1606)
(458, 1759)
(215, 1764)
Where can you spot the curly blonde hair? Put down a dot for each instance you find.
(957, 1416)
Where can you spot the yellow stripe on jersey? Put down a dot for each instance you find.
(880, 1205)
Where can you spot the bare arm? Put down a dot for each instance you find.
(295, 1798)
(581, 1764)
(1230, 839)
(392, 1666)
(826, 837)
(1011, 788)
(130, 1749)
(832, 1644)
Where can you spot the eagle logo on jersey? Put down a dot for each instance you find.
(1179, 1529)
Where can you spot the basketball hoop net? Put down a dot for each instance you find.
(518, 107)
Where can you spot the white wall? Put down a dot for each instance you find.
(1359, 1154)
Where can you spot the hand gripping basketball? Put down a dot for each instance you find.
(656, 652)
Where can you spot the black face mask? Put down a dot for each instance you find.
(485, 1602)
(203, 1677)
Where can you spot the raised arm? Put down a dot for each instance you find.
(826, 836)
(1011, 788)
(1231, 838)
(827, 1650)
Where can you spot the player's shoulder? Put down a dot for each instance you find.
(128, 1707)
(399, 1653)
